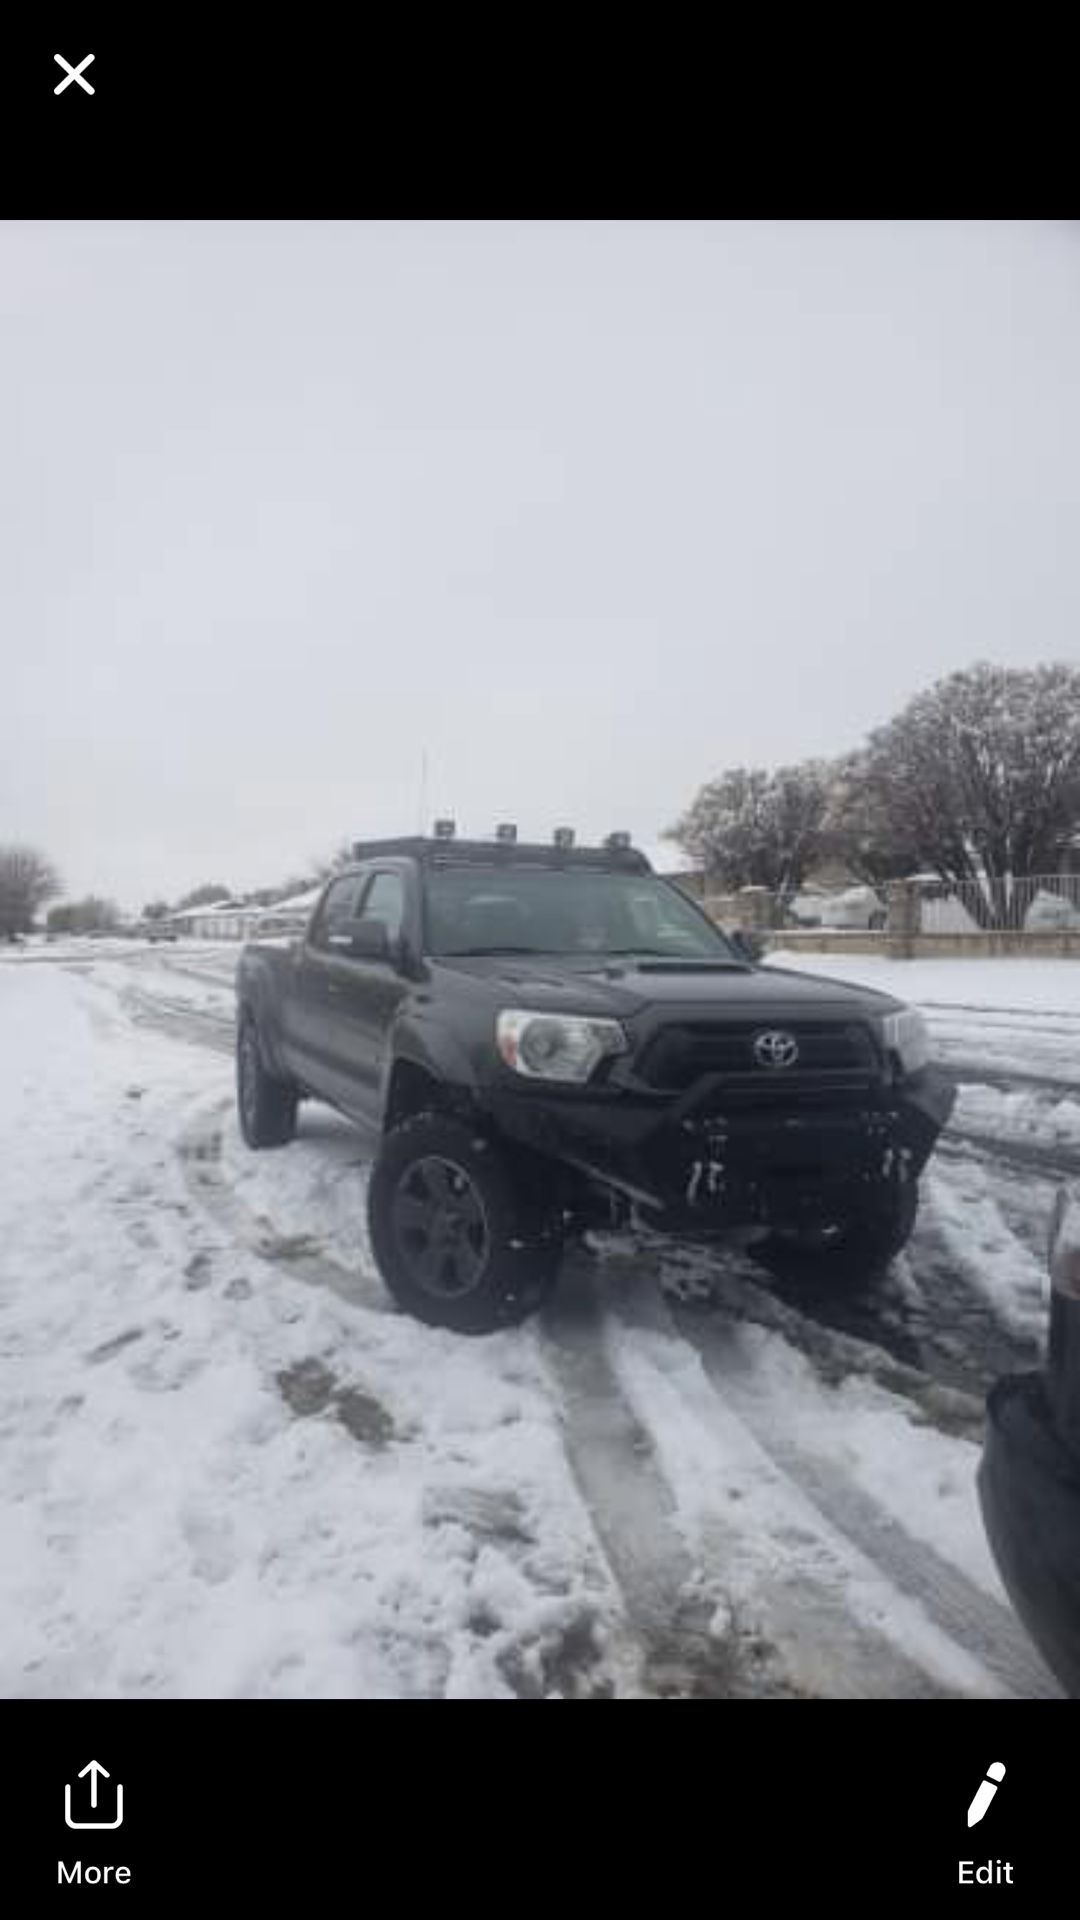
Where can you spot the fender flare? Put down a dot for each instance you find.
(432, 1051)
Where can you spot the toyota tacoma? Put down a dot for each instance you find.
(544, 1039)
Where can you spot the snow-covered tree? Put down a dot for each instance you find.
(978, 779)
(753, 828)
(27, 880)
(860, 829)
(91, 915)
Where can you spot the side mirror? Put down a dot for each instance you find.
(749, 946)
(363, 940)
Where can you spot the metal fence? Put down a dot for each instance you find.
(1038, 903)
(1045, 903)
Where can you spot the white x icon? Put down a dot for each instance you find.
(73, 73)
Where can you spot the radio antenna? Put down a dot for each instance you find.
(422, 808)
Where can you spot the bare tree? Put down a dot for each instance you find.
(27, 881)
(978, 779)
(751, 827)
(91, 915)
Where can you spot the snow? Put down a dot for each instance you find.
(1021, 1115)
(232, 1468)
(173, 1526)
(1008, 985)
(707, 1450)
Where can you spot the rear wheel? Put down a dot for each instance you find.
(265, 1105)
(848, 1251)
(457, 1241)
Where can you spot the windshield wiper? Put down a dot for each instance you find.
(470, 953)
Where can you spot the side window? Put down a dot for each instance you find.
(338, 906)
(385, 900)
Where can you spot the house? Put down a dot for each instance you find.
(218, 920)
(287, 916)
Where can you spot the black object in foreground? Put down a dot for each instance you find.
(1029, 1476)
(543, 1039)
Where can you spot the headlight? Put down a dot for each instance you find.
(906, 1035)
(556, 1046)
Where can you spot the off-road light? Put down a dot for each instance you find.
(444, 829)
(506, 832)
(617, 841)
(564, 836)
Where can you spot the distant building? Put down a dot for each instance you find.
(286, 916)
(219, 920)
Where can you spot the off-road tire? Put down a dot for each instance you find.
(459, 1241)
(266, 1107)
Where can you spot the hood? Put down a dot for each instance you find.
(582, 984)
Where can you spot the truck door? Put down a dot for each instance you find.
(306, 1014)
(362, 998)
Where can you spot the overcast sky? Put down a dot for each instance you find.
(588, 512)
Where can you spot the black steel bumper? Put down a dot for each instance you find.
(718, 1156)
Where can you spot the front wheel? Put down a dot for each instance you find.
(848, 1251)
(456, 1240)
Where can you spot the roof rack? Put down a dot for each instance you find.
(495, 853)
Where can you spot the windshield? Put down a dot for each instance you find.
(566, 911)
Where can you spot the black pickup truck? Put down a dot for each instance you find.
(543, 1039)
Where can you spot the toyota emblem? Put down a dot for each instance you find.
(776, 1049)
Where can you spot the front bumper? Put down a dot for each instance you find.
(716, 1157)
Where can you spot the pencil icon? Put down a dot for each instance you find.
(995, 1773)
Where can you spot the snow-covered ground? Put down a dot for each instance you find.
(1030, 986)
(231, 1468)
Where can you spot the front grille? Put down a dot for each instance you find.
(677, 1056)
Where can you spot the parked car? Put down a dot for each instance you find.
(853, 909)
(1052, 913)
(1029, 1476)
(543, 1038)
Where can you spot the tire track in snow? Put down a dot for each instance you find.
(613, 1462)
(200, 1151)
(971, 1619)
(1005, 1079)
(816, 1644)
(1056, 1163)
(204, 974)
(180, 1021)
